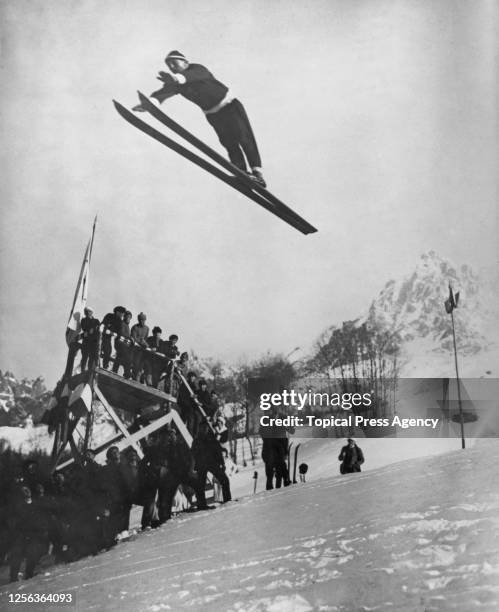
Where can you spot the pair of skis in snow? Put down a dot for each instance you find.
(230, 174)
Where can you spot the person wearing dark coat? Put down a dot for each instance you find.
(89, 531)
(154, 365)
(63, 505)
(178, 470)
(208, 457)
(31, 475)
(274, 453)
(170, 348)
(116, 492)
(90, 339)
(204, 397)
(112, 323)
(150, 468)
(351, 457)
(223, 111)
(187, 405)
(130, 473)
(30, 525)
(123, 346)
(12, 494)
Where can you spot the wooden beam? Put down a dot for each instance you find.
(119, 423)
(130, 395)
(132, 439)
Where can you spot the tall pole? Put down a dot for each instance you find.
(463, 445)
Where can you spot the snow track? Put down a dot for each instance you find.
(422, 535)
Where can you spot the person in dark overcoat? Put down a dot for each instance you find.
(130, 472)
(204, 397)
(89, 339)
(154, 364)
(30, 527)
(149, 473)
(274, 453)
(178, 470)
(116, 493)
(64, 511)
(112, 323)
(208, 457)
(123, 346)
(351, 457)
(89, 529)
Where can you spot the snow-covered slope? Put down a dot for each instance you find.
(419, 535)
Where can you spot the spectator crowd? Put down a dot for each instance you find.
(85, 508)
(139, 354)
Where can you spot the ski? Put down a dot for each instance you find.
(206, 165)
(295, 462)
(289, 456)
(167, 121)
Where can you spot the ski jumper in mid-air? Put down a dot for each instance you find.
(224, 112)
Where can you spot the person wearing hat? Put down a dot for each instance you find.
(139, 333)
(169, 347)
(351, 457)
(112, 324)
(90, 339)
(224, 112)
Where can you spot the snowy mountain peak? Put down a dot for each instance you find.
(414, 305)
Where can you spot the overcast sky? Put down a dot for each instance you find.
(376, 121)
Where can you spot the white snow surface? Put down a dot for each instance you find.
(419, 535)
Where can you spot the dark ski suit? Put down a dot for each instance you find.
(226, 115)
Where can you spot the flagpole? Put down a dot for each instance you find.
(461, 419)
(92, 239)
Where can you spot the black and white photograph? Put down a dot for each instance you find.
(249, 268)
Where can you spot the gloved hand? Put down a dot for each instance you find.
(166, 77)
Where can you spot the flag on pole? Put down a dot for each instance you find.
(452, 301)
(80, 298)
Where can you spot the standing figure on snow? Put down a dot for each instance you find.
(223, 111)
(351, 457)
(208, 457)
(275, 449)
